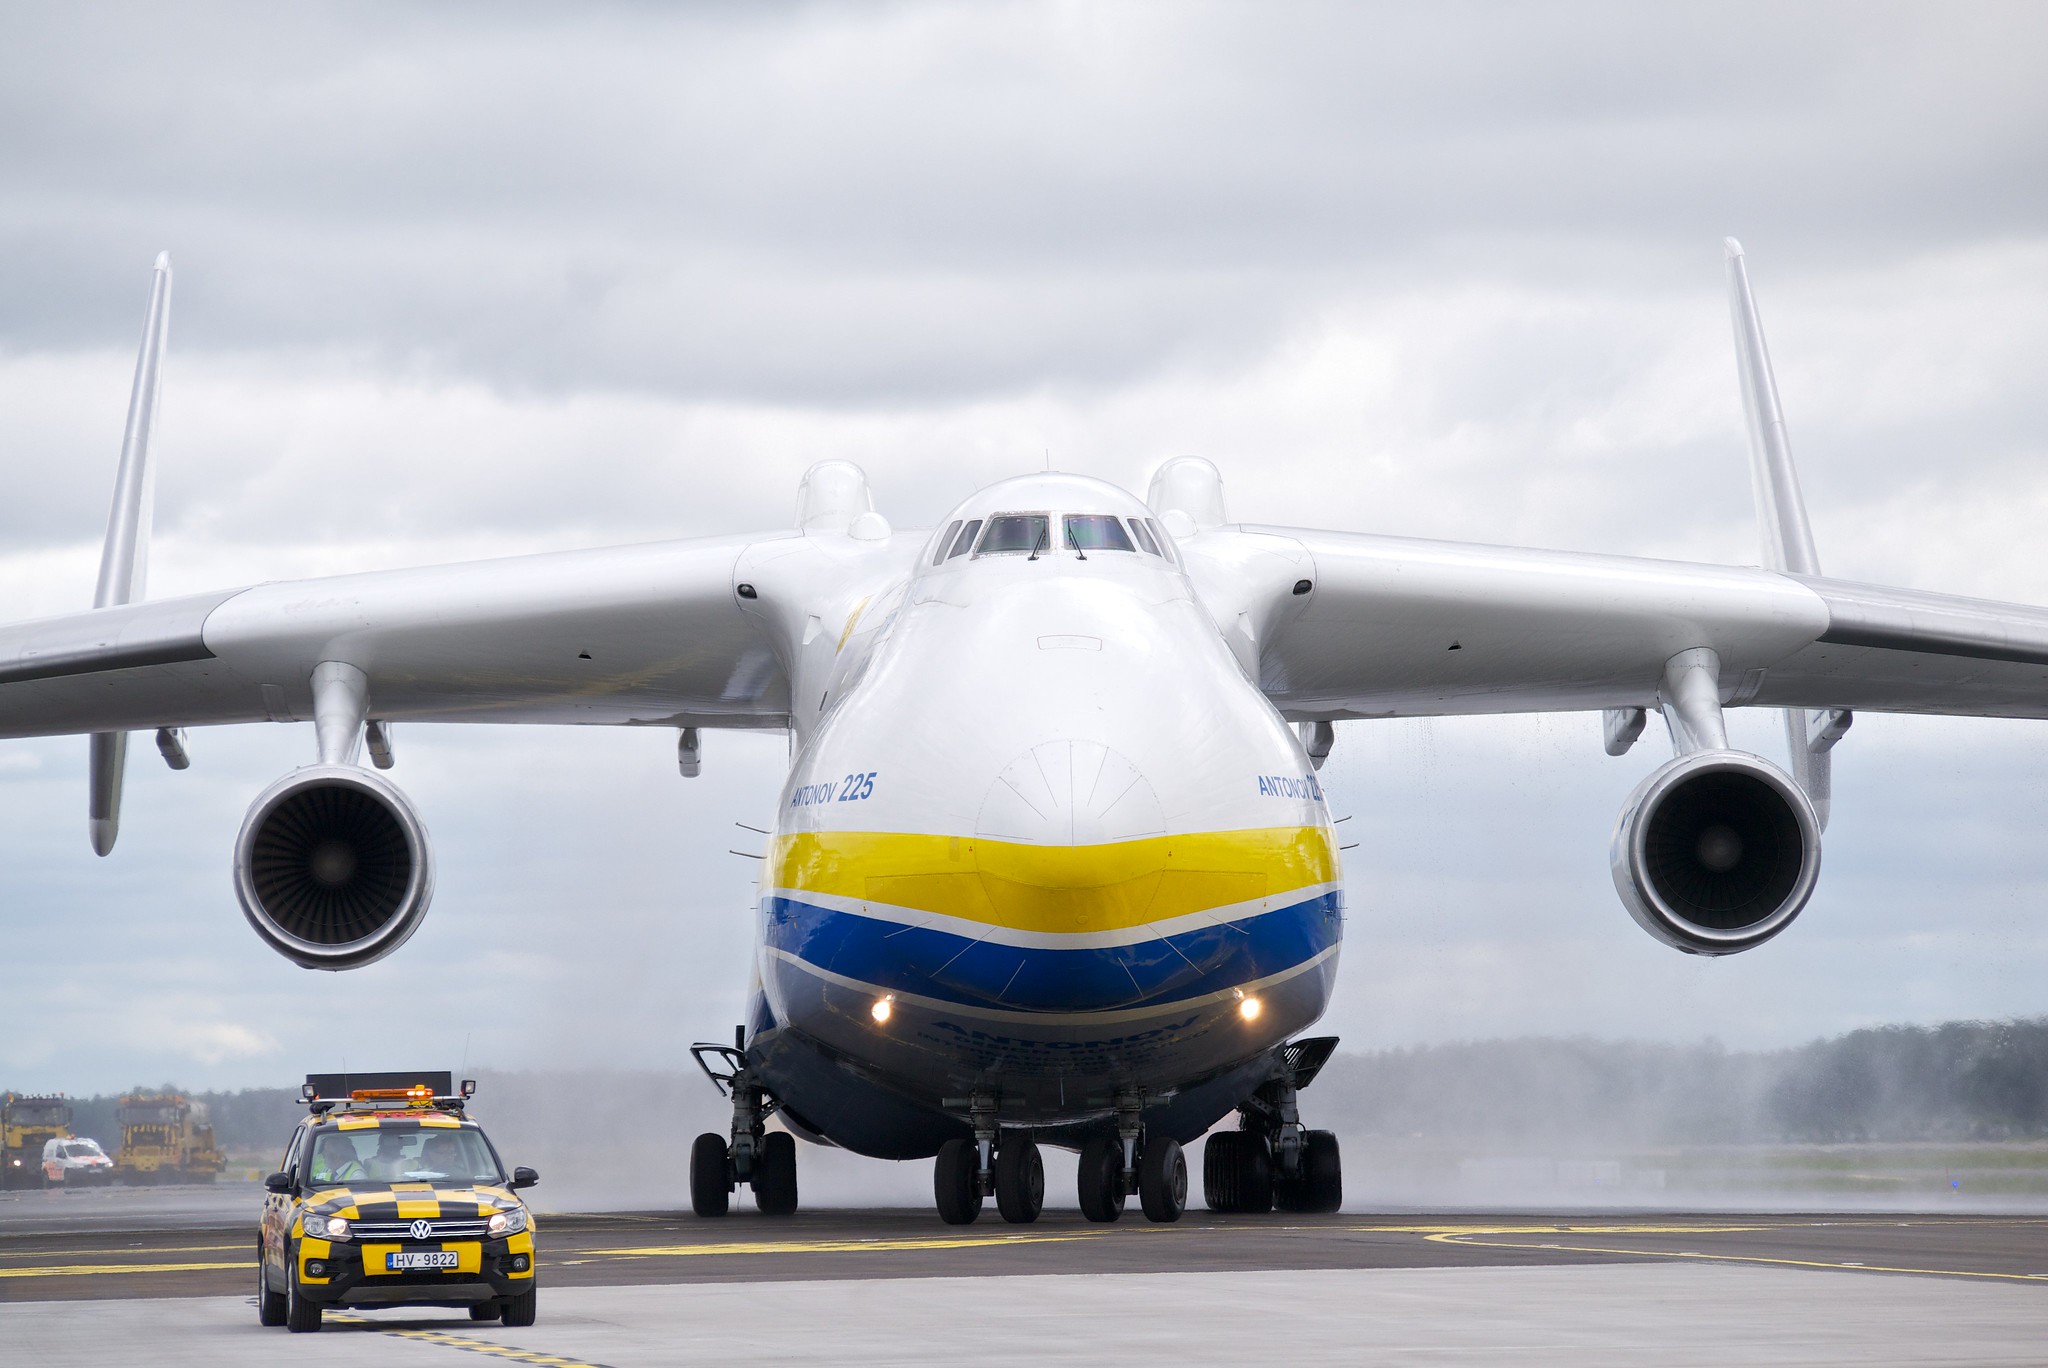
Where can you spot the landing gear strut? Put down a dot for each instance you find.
(991, 1164)
(1272, 1160)
(764, 1160)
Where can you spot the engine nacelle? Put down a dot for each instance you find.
(333, 867)
(1716, 852)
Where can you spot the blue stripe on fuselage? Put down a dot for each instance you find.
(962, 970)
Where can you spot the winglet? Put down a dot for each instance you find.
(124, 561)
(1780, 507)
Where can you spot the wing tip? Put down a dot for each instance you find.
(163, 260)
(1731, 248)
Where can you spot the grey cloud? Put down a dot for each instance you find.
(829, 204)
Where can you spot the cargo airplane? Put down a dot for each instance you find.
(1052, 864)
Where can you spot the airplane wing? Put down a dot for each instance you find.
(652, 634)
(1391, 626)
(1337, 625)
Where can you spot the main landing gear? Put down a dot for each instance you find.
(1008, 1167)
(1271, 1160)
(764, 1160)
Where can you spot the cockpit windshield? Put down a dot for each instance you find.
(1022, 533)
(1095, 532)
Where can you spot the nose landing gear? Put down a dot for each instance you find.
(1009, 1168)
(1114, 1166)
(764, 1160)
(1271, 1160)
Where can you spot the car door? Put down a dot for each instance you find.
(278, 1209)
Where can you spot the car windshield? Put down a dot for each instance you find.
(1095, 532)
(82, 1149)
(404, 1154)
(1015, 532)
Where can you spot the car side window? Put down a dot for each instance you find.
(290, 1163)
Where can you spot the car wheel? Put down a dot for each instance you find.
(520, 1310)
(270, 1307)
(300, 1315)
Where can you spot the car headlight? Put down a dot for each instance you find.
(327, 1227)
(509, 1222)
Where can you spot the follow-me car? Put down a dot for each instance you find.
(1052, 862)
(389, 1194)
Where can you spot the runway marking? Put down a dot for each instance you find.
(834, 1246)
(474, 1346)
(1455, 1238)
(1568, 1228)
(79, 1253)
(94, 1270)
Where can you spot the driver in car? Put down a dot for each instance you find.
(441, 1157)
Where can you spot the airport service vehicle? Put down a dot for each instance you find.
(165, 1138)
(389, 1194)
(1052, 863)
(75, 1161)
(27, 1126)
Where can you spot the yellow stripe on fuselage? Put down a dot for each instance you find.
(1055, 889)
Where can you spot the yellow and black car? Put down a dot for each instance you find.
(390, 1195)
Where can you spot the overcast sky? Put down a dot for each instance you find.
(472, 280)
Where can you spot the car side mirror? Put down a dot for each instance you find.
(279, 1182)
(523, 1177)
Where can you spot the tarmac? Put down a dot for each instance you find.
(167, 1282)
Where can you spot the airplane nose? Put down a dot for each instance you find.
(1070, 793)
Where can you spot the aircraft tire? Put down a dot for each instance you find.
(956, 1182)
(1237, 1172)
(775, 1174)
(1020, 1181)
(1163, 1180)
(1219, 1171)
(1100, 1179)
(1319, 1187)
(710, 1177)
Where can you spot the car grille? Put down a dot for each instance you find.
(402, 1230)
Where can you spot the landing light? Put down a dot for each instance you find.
(884, 1008)
(1249, 1009)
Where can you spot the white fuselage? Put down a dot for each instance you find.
(1044, 842)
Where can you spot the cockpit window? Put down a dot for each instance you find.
(1016, 532)
(1095, 532)
(1145, 542)
(946, 541)
(1159, 535)
(963, 543)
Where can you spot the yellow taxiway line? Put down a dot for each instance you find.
(474, 1346)
(93, 1270)
(1838, 1266)
(833, 1246)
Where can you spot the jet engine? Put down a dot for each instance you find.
(332, 867)
(1716, 852)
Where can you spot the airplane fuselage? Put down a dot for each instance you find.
(1046, 844)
